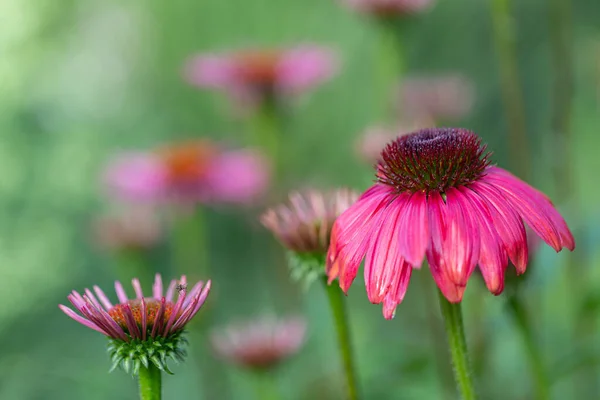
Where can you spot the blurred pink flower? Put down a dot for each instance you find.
(250, 75)
(132, 229)
(261, 343)
(436, 97)
(437, 197)
(189, 172)
(389, 8)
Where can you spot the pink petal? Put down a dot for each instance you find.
(103, 299)
(415, 229)
(397, 290)
(157, 288)
(383, 260)
(136, 177)
(212, 71)
(81, 320)
(144, 319)
(137, 287)
(508, 224)
(492, 256)
(158, 320)
(303, 67)
(122, 296)
(534, 207)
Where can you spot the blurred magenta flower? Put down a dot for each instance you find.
(260, 343)
(254, 74)
(304, 225)
(438, 197)
(135, 228)
(389, 8)
(437, 98)
(189, 172)
(143, 329)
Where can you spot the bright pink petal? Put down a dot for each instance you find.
(121, 295)
(534, 207)
(212, 71)
(137, 287)
(397, 290)
(492, 256)
(351, 234)
(80, 319)
(136, 177)
(383, 259)
(157, 288)
(507, 223)
(414, 229)
(305, 67)
(103, 298)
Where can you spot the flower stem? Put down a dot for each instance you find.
(452, 314)
(538, 371)
(266, 128)
(190, 250)
(266, 386)
(505, 41)
(389, 67)
(338, 308)
(150, 383)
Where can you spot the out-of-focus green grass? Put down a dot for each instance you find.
(79, 80)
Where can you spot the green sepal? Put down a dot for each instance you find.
(135, 354)
(306, 267)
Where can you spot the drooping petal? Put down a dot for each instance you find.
(383, 260)
(438, 216)
(414, 229)
(492, 256)
(351, 233)
(507, 223)
(534, 207)
(72, 314)
(397, 290)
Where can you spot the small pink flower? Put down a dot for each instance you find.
(140, 326)
(250, 75)
(389, 8)
(436, 97)
(261, 343)
(189, 172)
(132, 229)
(438, 197)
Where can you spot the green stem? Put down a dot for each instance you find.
(455, 332)
(266, 386)
(538, 370)
(190, 254)
(389, 67)
(505, 42)
(266, 128)
(150, 383)
(338, 308)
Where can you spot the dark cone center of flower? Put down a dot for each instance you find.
(187, 162)
(433, 159)
(259, 68)
(117, 313)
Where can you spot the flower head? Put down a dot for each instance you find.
(389, 8)
(251, 75)
(438, 197)
(188, 172)
(142, 330)
(261, 343)
(443, 97)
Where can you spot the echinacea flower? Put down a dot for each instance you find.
(389, 8)
(260, 343)
(304, 227)
(131, 229)
(142, 330)
(437, 197)
(441, 97)
(188, 172)
(252, 75)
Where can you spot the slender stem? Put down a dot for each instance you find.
(559, 21)
(266, 386)
(505, 42)
(538, 370)
(389, 67)
(150, 383)
(452, 314)
(190, 250)
(338, 308)
(266, 128)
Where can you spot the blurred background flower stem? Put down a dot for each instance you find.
(342, 327)
(150, 382)
(266, 385)
(266, 127)
(389, 67)
(538, 372)
(189, 247)
(455, 332)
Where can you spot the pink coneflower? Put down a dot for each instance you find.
(443, 97)
(132, 229)
(189, 172)
(260, 343)
(389, 8)
(253, 74)
(438, 197)
(304, 225)
(143, 329)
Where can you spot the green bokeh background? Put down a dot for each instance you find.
(80, 80)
